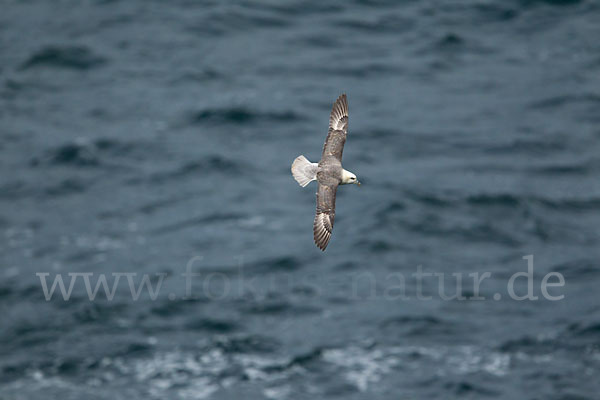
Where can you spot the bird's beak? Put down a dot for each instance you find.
(357, 183)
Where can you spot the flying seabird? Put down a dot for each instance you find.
(328, 172)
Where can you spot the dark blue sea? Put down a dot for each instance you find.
(147, 145)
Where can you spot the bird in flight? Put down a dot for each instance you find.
(328, 172)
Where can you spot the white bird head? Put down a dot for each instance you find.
(349, 178)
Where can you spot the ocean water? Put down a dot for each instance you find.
(146, 139)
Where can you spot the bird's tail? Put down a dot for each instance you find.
(304, 171)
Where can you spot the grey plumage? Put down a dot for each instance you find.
(328, 172)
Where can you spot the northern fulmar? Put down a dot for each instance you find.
(328, 172)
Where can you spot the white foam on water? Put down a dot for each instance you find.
(361, 367)
(199, 375)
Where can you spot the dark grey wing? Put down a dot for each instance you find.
(338, 119)
(338, 127)
(325, 215)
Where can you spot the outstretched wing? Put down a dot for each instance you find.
(338, 126)
(325, 215)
